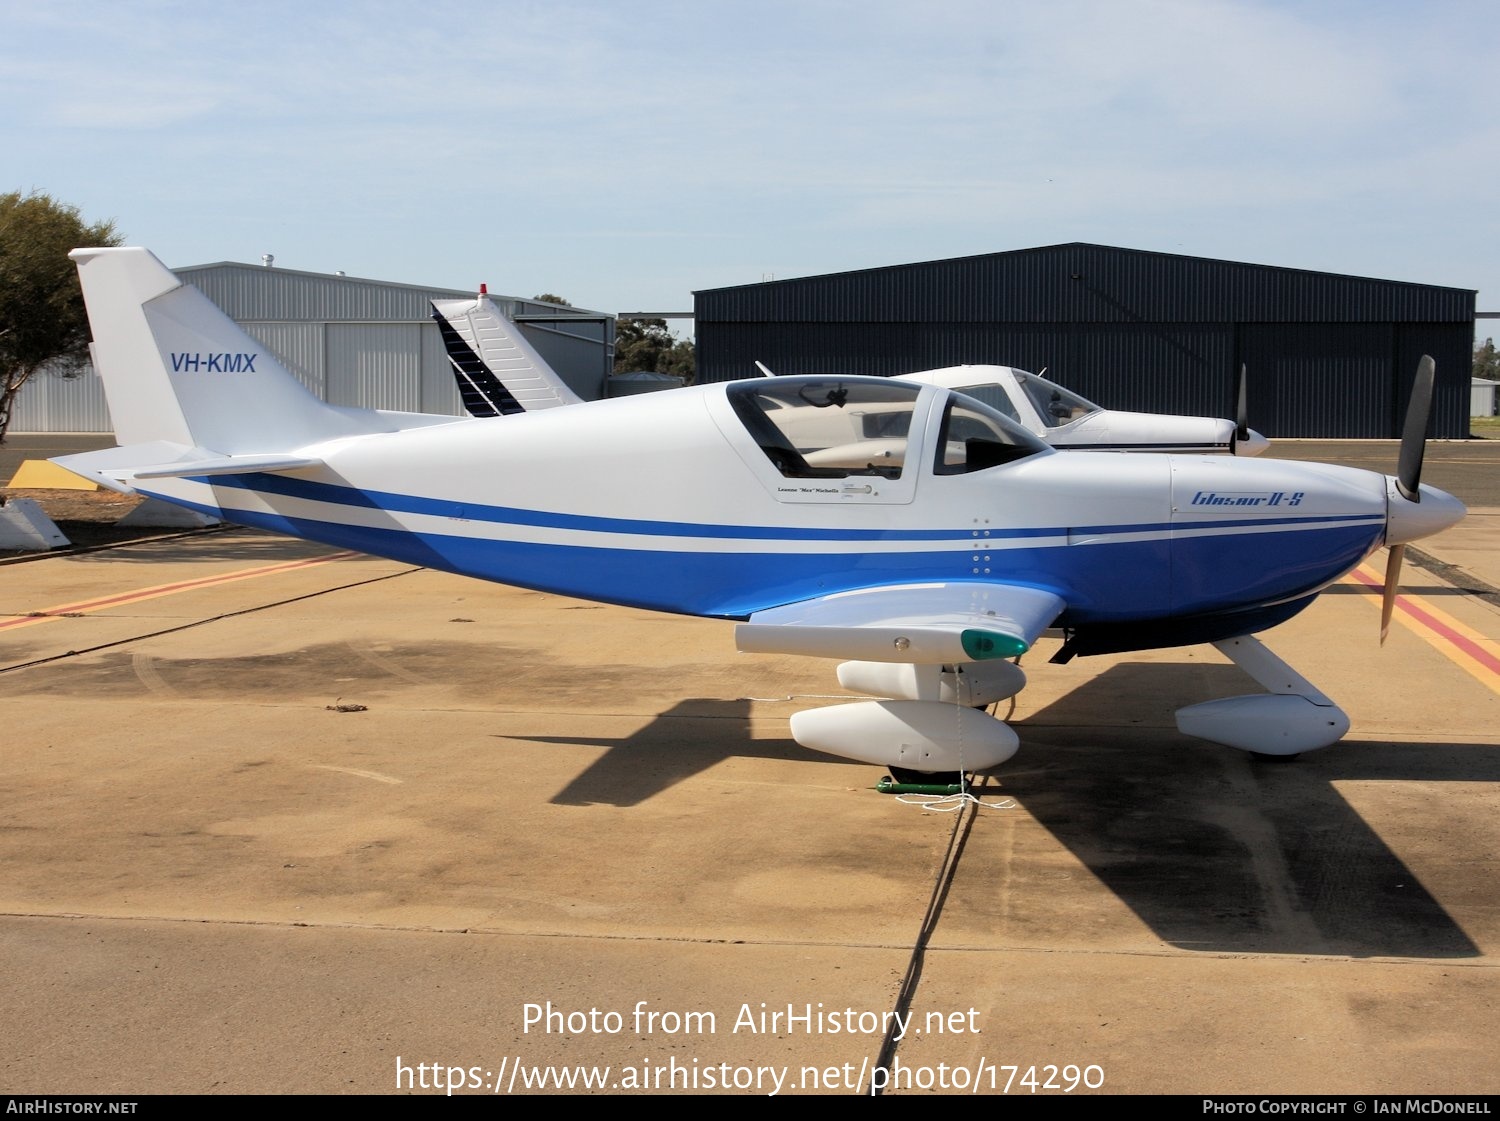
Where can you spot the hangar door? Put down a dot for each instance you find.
(375, 365)
(400, 366)
(1329, 380)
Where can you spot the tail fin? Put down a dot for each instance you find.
(497, 370)
(179, 372)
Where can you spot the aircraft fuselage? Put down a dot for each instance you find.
(667, 502)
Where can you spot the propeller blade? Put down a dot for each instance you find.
(1241, 409)
(1392, 582)
(1414, 435)
(1408, 477)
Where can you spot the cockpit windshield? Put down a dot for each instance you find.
(993, 395)
(974, 436)
(1054, 404)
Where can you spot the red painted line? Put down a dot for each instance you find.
(1461, 641)
(1467, 645)
(85, 606)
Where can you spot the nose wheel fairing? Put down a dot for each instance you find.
(1293, 717)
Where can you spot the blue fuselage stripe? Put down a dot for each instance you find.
(512, 515)
(1161, 575)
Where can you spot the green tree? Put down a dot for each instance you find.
(42, 320)
(1486, 360)
(549, 298)
(646, 344)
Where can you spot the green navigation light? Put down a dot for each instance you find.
(982, 645)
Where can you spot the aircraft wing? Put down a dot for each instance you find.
(928, 624)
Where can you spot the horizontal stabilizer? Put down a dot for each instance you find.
(116, 468)
(919, 623)
(227, 465)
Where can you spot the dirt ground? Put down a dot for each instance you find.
(86, 518)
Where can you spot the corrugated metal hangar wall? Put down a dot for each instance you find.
(1327, 355)
(367, 343)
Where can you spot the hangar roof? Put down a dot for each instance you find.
(1082, 282)
(261, 292)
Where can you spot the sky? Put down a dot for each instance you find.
(624, 155)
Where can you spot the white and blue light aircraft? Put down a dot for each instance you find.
(499, 373)
(911, 532)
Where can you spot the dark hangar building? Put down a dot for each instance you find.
(1327, 355)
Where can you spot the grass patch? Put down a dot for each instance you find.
(1485, 427)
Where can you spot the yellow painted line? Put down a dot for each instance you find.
(1467, 648)
(121, 599)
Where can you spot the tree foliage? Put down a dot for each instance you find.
(549, 298)
(647, 345)
(1486, 360)
(42, 319)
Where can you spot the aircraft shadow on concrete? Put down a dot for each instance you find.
(1214, 850)
(1218, 851)
(1408, 588)
(247, 547)
(686, 740)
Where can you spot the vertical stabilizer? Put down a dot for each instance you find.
(497, 370)
(177, 369)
